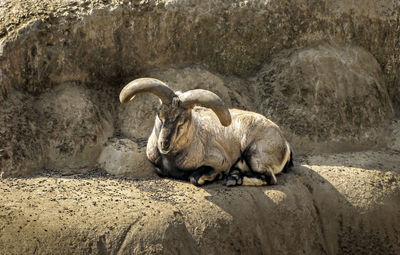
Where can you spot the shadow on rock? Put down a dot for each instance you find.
(304, 213)
(383, 160)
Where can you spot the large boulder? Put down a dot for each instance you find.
(73, 127)
(21, 152)
(62, 129)
(327, 98)
(339, 205)
(125, 158)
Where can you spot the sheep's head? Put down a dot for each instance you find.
(173, 125)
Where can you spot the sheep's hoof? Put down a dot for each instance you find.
(234, 178)
(195, 181)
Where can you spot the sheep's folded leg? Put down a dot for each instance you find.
(248, 178)
(203, 174)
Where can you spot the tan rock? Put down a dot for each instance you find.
(78, 53)
(50, 42)
(327, 207)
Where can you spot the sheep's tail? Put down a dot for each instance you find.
(289, 163)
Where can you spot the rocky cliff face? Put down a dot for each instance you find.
(328, 72)
(109, 40)
(308, 66)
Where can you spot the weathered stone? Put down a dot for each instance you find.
(125, 158)
(327, 98)
(73, 128)
(63, 129)
(20, 136)
(48, 42)
(337, 204)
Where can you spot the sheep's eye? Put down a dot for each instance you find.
(180, 122)
(180, 125)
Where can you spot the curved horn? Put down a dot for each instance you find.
(148, 85)
(207, 99)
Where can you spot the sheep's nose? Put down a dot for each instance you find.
(164, 145)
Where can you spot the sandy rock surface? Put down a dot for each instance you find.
(394, 141)
(283, 59)
(333, 204)
(74, 127)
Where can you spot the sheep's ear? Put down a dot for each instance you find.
(207, 99)
(176, 102)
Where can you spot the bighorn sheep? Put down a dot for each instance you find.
(201, 144)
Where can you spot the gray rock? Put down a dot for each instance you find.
(125, 158)
(394, 138)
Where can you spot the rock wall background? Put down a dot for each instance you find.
(99, 46)
(97, 41)
(327, 72)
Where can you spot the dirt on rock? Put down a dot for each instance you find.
(345, 203)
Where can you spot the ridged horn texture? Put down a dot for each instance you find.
(207, 99)
(146, 85)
